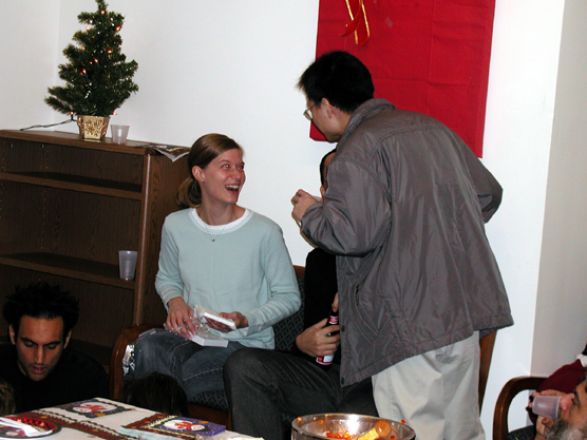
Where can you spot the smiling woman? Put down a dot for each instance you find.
(221, 153)
(219, 256)
(220, 183)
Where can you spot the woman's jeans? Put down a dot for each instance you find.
(197, 369)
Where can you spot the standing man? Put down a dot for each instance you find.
(404, 213)
(38, 365)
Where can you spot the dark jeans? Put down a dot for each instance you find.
(197, 369)
(263, 386)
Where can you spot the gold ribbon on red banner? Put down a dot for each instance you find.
(359, 23)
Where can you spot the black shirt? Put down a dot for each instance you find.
(76, 377)
(320, 286)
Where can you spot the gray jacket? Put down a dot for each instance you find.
(404, 213)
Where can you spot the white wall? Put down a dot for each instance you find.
(520, 104)
(562, 302)
(228, 66)
(231, 66)
(28, 50)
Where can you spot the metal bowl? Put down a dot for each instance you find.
(316, 426)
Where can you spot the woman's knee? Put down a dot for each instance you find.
(153, 349)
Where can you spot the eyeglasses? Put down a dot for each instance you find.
(308, 113)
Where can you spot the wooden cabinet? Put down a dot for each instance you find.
(67, 206)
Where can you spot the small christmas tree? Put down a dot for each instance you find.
(98, 77)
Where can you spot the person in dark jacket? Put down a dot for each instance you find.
(404, 212)
(264, 387)
(38, 365)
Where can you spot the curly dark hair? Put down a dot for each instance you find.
(41, 300)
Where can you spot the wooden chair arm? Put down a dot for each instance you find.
(506, 395)
(127, 336)
(300, 270)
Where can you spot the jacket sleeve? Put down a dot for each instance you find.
(354, 213)
(488, 189)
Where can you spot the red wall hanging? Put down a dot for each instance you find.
(430, 56)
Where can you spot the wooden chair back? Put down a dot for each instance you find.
(504, 400)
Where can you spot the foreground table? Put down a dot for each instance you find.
(106, 419)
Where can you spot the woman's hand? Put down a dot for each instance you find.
(240, 321)
(319, 339)
(180, 318)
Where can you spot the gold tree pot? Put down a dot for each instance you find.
(93, 127)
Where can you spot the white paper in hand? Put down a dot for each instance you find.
(206, 339)
(203, 312)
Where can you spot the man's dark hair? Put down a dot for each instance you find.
(323, 166)
(40, 300)
(339, 77)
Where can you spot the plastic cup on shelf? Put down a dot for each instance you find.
(547, 406)
(119, 133)
(127, 262)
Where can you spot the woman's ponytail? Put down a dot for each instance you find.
(189, 194)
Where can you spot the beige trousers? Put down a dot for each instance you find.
(435, 392)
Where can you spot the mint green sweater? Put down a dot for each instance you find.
(243, 266)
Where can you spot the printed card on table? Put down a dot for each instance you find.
(177, 426)
(93, 408)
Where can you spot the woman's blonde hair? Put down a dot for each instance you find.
(203, 151)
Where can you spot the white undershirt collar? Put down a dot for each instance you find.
(220, 229)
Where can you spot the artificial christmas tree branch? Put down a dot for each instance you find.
(98, 79)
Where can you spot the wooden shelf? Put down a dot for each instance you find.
(67, 205)
(70, 267)
(76, 183)
(74, 140)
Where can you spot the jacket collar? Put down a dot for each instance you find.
(367, 109)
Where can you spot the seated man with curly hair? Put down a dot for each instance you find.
(38, 365)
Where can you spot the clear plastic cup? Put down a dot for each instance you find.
(127, 263)
(119, 133)
(547, 406)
